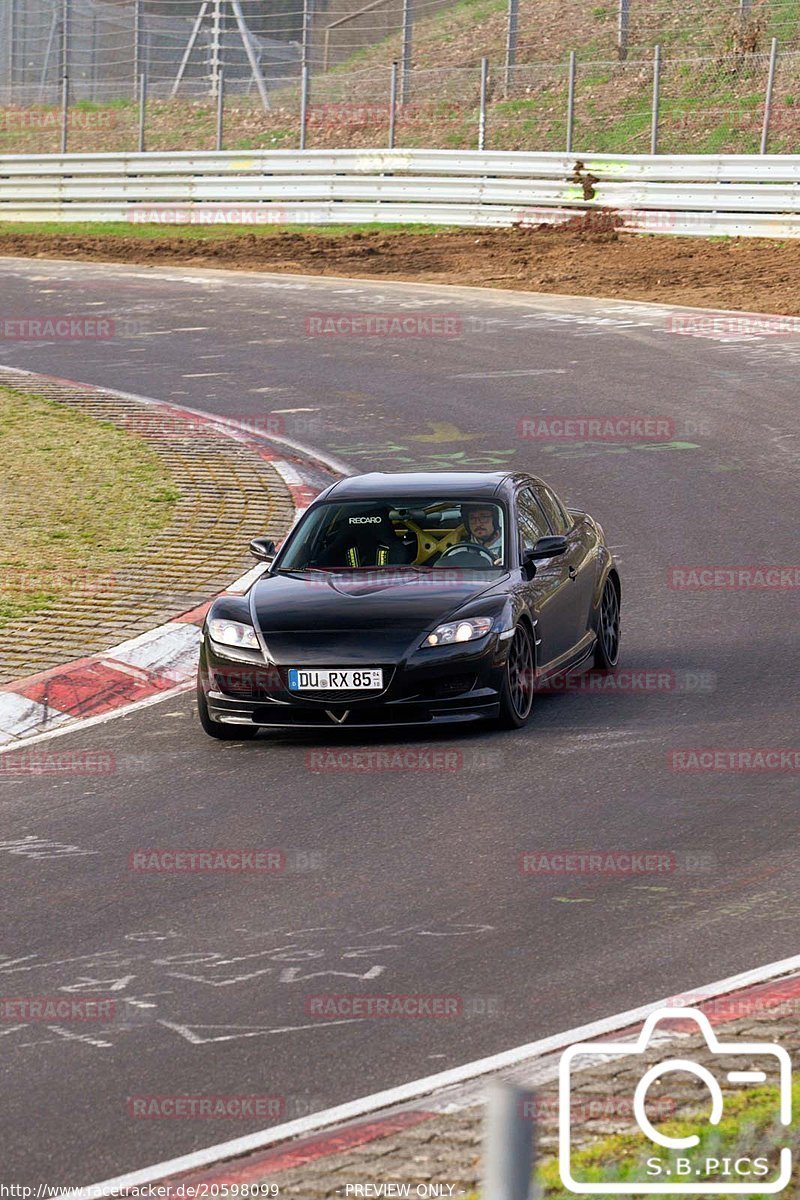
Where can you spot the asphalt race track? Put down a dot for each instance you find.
(408, 881)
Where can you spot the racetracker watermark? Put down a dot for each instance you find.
(616, 862)
(763, 578)
(57, 329)
(53, 1009)
(12, 119)
(244, 681)
(405, 758)
(207, 214)
(57, 762)
(634, 682)
(170, 860)
(585, 1106)
(597, 862)
(596, 429)
(391, 325)
(208, 1108)
(335, 1006)
(178, 425)
(368, 577)
(727, 324)
(727, 760)
(781, 1000)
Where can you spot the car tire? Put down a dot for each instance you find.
(516, 695)
(606, 651)
(216, 729)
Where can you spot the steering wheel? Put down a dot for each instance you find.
(465, 548)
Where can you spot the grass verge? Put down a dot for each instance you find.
(748, 1130)
(149, 232)
(78, 497)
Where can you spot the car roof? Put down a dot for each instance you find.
(385, 485)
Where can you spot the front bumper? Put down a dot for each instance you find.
(432, 687)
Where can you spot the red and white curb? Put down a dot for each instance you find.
(759, 992)
(163, 659)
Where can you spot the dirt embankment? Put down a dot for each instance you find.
(751, 274)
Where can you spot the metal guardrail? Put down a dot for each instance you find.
(735, 195)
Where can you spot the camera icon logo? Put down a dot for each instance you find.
(671, 1167)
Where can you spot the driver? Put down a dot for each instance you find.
(483, 526)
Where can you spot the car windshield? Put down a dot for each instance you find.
(458, 534)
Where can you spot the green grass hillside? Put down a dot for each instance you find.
(713, 81)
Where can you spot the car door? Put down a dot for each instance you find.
(579, 562)
(548, 592)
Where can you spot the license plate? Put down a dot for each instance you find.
(329, 680)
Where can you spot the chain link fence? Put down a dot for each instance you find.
(167, 75)
(104, 47)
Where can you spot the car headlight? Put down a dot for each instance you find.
(459, 631)
(233, 633)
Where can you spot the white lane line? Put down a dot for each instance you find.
(419, 1088)
(171, 650)
(288, 473)
(80, 723)
(206, 375)
(19, 712)
(510, 374)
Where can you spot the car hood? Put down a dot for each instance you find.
(353, 601)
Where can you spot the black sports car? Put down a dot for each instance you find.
(412, 599)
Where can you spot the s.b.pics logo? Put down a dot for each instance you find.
(669, 1160)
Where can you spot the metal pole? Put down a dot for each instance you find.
(508, 1145)
(65, 47)
(51, 45)
(656, 99)
(21, 49)
(511, 42)
(773, 59)
(137, 45)
(94, 56)
(482, 119)
(187, 54)
(571, 101)
(12, 31)
(304, 51)
(408, 27)
(253, 58)
(64, 113)
(142, 109)
(220, 106)
(303, 106)
(393, 105)
(744, 7)
(622, 28)
(216, 42)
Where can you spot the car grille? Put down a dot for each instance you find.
(451, 685)
(289, 716)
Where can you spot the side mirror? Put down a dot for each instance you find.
(546, 547)
(549, 547)
(263, 549)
